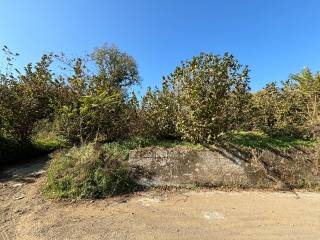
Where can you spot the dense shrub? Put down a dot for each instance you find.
(98, 106)
(280, 111)
(99, 117)
(159, 113)
(308, 85)
(211, 94)
(133, 117)
(87, 172)
(27, 98)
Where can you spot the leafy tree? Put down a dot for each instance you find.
(79, 80)
(211, 92)
(115, 69)
(134, 116)
(280, 111)
(309, 85)
(6, 77)
(167, 108)
(96, 117)
(28, 98)
(266, 104)
(98, 107)
(159, 113)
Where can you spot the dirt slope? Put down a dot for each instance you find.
(25, 215)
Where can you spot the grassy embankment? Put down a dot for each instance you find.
(93, 171)
(259, 140)
(90, 171)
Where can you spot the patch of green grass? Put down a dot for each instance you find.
(49, 141)
(261, 140)
(85, 172)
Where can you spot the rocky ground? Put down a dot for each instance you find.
(26, 215)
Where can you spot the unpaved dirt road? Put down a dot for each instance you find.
(26, 215)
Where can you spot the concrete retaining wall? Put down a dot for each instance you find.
(185, 166)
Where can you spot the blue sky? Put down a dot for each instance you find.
(274, 37)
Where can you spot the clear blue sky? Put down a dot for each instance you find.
(274, 37)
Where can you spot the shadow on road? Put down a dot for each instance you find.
(26, 172)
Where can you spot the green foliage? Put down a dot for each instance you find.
(86, 172)
(26, 99)
(260, 140)
(308, 84)
(49, 141)
(204, 99)
(99, 117)
(133, 114)
(43, 141)
(211, 93)
(280, 111)
(92, 171)
(98, 108)
(158, 113)
(115, 68)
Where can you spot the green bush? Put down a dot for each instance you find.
(158, 114)
(87, 172)
(98, 108)
(211, 93)
(94, 117)
(308, 85)
(27, 98)
(280, 111)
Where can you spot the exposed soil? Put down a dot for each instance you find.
(26, 215)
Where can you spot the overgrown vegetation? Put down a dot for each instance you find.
(87, 99)
(92, 171)
(260, 140)
(203, 100)
(87, 172)
(293, 168)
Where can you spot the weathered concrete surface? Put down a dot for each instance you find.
(185, 166)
